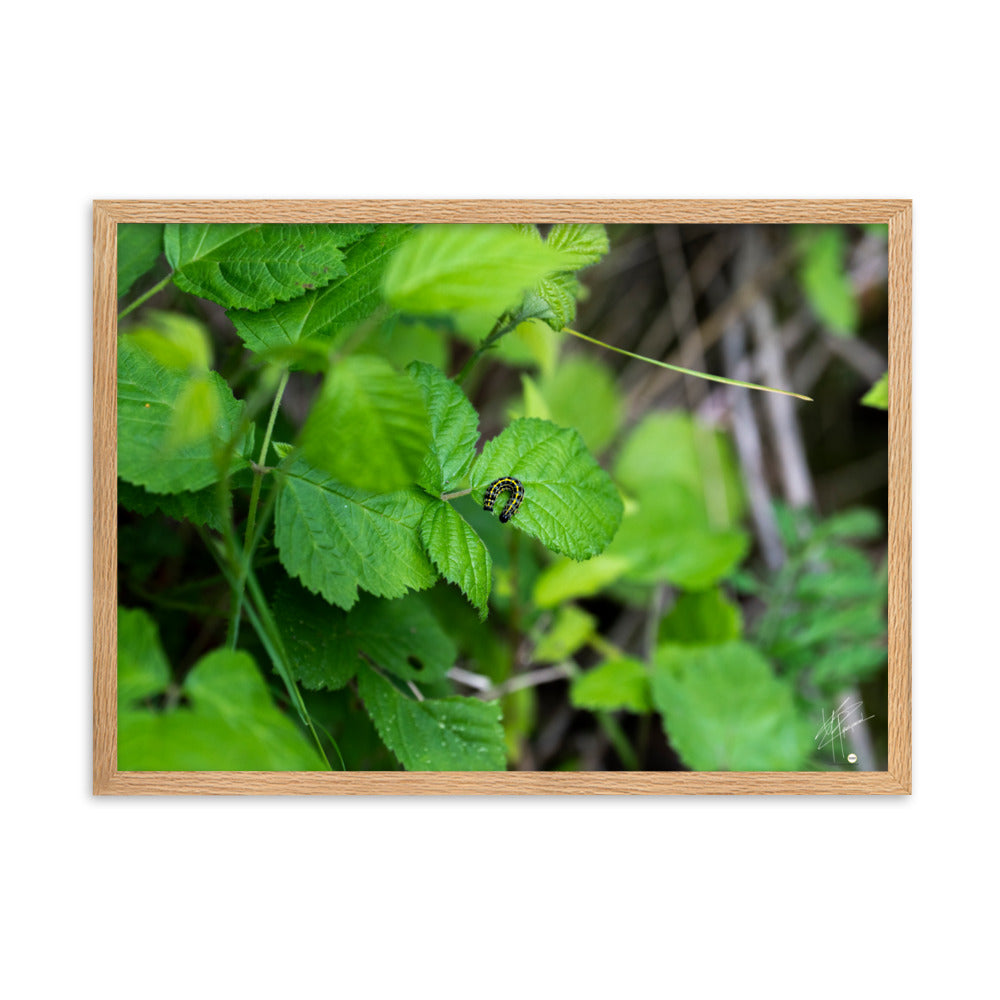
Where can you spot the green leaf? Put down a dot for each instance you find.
(139, 246)
(467, 268)
(175, 341)
(337, 538)
(143, 669)
(454, 428)
(321, 314)
(232, 725)
(724, 710)
(570, 504)
(667, 451)
(845, 665)
(508, 572)
(196, 413)
(689, 501)
(532, 343)
(553, 300)
(458, 553)
(581, 393)
(858, 523)
(878, 395)
(617, 683)
(369, 427)
(856, 620)
(440, 734)
(528, 229)
(326, 645)
(702, 617)
(565, 580)
(582, 243)
(823, 617)
(534, 401)
(830, 586)
(153, 401)
(665, 540)
(824, 279)
(571, 629)
(401, 342)
(201, 507)
(254, 266)
(313, 633)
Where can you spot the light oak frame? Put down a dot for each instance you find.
(108, 780)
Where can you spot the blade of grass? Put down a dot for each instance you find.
(619, 740)
(257, 606)
(686, 371)
(267, 631)
(159, 286)
(250, 539)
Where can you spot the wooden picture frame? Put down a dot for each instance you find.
(108, 780)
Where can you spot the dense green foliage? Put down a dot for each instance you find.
(308, 578)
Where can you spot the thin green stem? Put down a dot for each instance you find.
(249, 539)
(619, 740)
(270, 637)
(642, 738)
(457, 493)
(267, 630)
(264, 517)
(235, 612)
(203, 584)
(685, 371)
(283, 699)
(604, 646)
(258, 476)
(223, 459)
(267, 641)
(499, 329)
(358, 335)
(515, 595)
(168, 602)
(159, 286)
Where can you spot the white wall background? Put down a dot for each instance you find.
(496, 898)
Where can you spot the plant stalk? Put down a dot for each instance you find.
(249, 541)
(270, 638)
(499, 329)
(686, 371)
(159, 286)
(258, 476)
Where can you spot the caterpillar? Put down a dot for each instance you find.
(510, 485)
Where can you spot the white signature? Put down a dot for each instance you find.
(842, 720)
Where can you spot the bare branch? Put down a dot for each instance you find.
(558, 672)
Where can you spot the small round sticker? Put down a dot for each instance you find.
(852, 758)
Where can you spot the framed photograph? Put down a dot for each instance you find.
(502, 497)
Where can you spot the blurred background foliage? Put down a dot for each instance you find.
(742, 599)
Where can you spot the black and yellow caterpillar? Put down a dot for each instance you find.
(510, 485)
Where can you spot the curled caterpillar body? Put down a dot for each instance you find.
(510, 485)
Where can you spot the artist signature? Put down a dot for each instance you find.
(843, 719)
